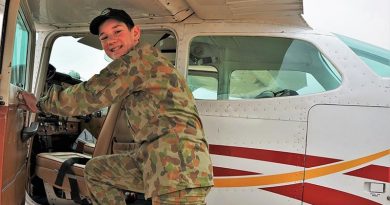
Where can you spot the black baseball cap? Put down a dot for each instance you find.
(109, 13)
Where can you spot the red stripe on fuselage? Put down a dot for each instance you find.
(271, 156)
(373, 172)
(221, 172)
(319, 195)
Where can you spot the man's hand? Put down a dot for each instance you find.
(27, 101)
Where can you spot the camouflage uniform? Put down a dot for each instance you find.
(173, 153)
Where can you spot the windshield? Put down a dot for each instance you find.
(378, 59)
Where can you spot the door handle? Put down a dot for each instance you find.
(29, 131)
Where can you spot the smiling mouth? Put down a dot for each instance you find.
(115, 49)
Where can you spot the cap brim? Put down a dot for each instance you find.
(95, 23)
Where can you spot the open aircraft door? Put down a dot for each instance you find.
(16, 44)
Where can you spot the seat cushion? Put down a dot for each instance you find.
(89, 148)
(48, 165)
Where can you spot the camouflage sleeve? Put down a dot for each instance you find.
(111, 85)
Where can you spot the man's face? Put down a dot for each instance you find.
(116, 38)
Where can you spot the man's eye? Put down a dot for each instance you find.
(102, 38)
(118, 31)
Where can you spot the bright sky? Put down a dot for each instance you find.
(70, 49)
(365, 20)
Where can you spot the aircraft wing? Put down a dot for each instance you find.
(64, 13)
(278, 11)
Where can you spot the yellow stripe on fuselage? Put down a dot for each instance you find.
(296, 176)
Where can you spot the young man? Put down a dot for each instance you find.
(171, 164)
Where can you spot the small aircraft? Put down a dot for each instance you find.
(292, 115)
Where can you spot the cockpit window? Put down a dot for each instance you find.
(2, 3)
(82, 56)
(203, 82)
(80, 61)
(249, 67)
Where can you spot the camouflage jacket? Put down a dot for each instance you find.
(158, 104)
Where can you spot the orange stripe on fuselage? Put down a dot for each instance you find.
(296, 176)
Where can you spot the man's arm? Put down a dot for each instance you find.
(111, 85)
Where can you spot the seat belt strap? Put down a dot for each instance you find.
(74, 190)
(66, 168)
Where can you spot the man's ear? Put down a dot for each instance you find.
(136, 33)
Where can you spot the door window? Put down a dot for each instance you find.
(19, 58)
